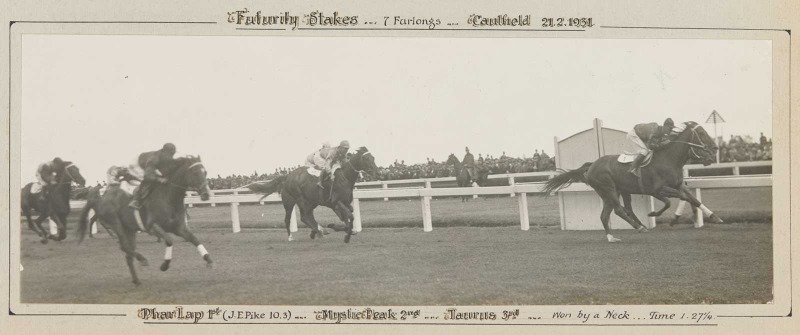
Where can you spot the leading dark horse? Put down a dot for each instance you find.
(300, 188)
(462, 176)
(163, 212)
(662, 178)
(56, 203)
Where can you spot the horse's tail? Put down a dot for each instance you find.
(566, 178)
(83, 220)
(268, 188)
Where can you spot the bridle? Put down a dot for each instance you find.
(693, 145)
(203, 185)
(350, 162)
(66, 171)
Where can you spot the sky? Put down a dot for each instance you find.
(256, 103)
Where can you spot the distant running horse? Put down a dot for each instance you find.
(55, 205)
(163, 211)
(662, 178)
(300, 188)
(462, 175)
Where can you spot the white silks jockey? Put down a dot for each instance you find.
(117, 174)
(46, 175)
(327, 159)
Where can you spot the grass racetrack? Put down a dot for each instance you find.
(476, 255)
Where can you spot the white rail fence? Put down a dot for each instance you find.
(425, 192)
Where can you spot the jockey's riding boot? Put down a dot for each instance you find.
(635, 165)
(137, 197)
(321, 178)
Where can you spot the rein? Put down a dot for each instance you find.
(693, 145)
(186, 188)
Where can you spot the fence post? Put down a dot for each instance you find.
(474, 196)
(94, 225)
(699, 222)
(427, 221)
(511, 183)
(524, 221)
(735, 170)
(293, 220)
(356, 215)
(235, 215)
(385, 186)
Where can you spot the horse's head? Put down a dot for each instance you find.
(191, 174)
(71, 173)
(363, 160)
(701, 146)
(482, 175)
(452, 159)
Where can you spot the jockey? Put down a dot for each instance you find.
(117, 174)
(469, 164)
(326, 159)
(45, 175)
(149, 168)
(646, 137)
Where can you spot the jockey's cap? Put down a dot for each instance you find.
(58, 161)
(344, 144)
(466, 148)
(326, 144)
(169, 148)
(668, 123)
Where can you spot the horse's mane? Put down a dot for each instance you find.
(181, 162)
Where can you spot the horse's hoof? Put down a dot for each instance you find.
(137, 282)
(325, 232)
(347, 238)
(613, 239)
(291, 238)
(652, 214)
(144, 262)
(165, 266)
(643, 230)
(715, 219)
(207, 258)
(44, 240)
(209, 265)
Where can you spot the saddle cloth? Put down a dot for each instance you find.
(627, 158)
(314, 171)
(36, 188)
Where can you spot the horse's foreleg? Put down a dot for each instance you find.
(31, 226)
(348, 220)
(307, 216)
(156, 229)
(666, 206)
(688, 196)
(182, 231)
(45, 232)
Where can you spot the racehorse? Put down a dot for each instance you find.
(300, 188)
(163, 212)
(462, 175)
(55, 205)
(662, 178)
(93, 197)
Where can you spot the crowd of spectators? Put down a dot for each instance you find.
(400, 170)
(736, 149)
(742, 149)
(496, 165)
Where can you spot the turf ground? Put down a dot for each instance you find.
(476, 254)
